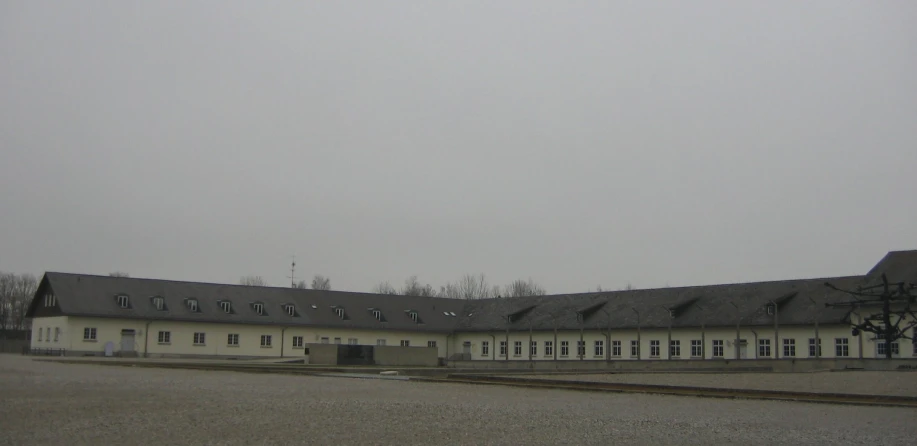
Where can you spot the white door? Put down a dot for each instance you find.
(127, 341)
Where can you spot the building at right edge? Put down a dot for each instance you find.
(775, 320)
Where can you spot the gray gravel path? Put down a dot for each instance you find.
(866, 383)
(46, 403)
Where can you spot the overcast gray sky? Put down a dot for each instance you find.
(576, 143)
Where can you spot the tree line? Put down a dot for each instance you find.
(16, 292)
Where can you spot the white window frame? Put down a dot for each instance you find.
(353, 341)
(431, 344)
(615, 349)
(654, 348)
(164, 337)
(581, 349)
(192, 305)
(297, 342)
(337, 341)
(675, 349)
(232, 339)
(564, 349)
(266, 341)
(789, 348)
(533, 348)
(200, 338)
(485, 348)
(41, 332)
(549, 348)
(291, 310)
(226, 306)
(719, 350)
(259, 308)
(124, 301)
(764, 348)
(377, 314)
(503, 348)
(56, 334)
(405, 342)
(159, 303)
(339, 311)
(842, 347)
(598, 348)
(413, 315)
(380, 341)
(697, 348)
(812, 348)
(517, 348)
(634, 349)
(89, 334)
(325, 340)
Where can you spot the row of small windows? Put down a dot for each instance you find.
(160, 304)
(841, 348)
(259, 308)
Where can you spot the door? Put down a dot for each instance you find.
(127, 341)
(743, 350)
(466, 347)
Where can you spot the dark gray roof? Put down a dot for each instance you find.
(711, 305)
(88, 295)
(799, 302)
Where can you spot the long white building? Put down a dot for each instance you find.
(78, 314)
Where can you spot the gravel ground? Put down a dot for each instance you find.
(867, 383)
(47, 403)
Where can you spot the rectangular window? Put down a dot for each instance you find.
(89, 334)
(165, 337)
(431, 344)
(485, 348)
(675, 349)
(337, 340)
(812, 347)
(718, 348)
(533, 348)
(41, 332)
(199, 338)
(232, 339)
(324, 340)
(123, 301)
(380, 341)
(881, 347)
(654, 349)
(259, 308)
(48, 334)
(405, 343)
(517, 348)
(56, 333)
(549, 348)
(599, 348)
(297, 342)
(265, 341)
(764, 348)
(354, 341)
(581, 348)
(564, 348)
(841, 349)
(789, 348)
(616, 349)
(697, 349)
(226, 306)
(502, 348)
(634, 349)
(291, 310)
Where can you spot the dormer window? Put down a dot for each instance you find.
(226, 306)
(414, 316)
(123, 301)
(290, 309)
(192, 305)
(340, 312)
(770, 309)
(259, 308)
(377, 314)
(50, 300)
(159, 303)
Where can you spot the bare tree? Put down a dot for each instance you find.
(301, 285)
(7, 285)
(320, 282)
(119, 274)
(16, 292)
(470, 286)
(520, 288)
(252, 281)
(384, 288)
(629, 287)
(413, 287)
